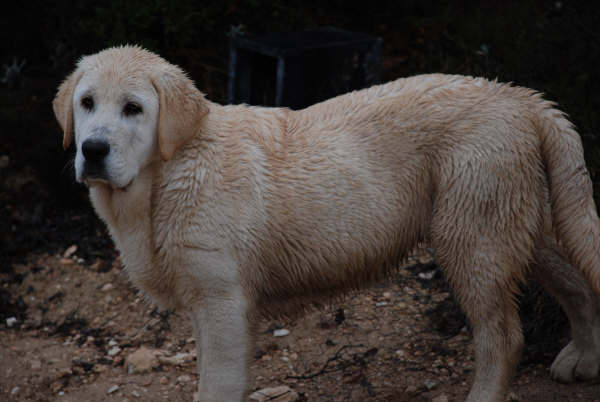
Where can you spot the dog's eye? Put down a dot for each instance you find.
(87, 103)
(131, 109)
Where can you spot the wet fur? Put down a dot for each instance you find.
(240, 210)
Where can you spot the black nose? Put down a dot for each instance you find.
(95, 150)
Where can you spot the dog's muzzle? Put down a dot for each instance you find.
(94, 152)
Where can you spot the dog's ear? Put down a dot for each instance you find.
(181, 109)
(63, 106)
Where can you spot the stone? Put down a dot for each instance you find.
(107, 287)
(282, 393)
(281, 332)
(70, 251)
(142, 360)
(113, 389)
(35, 364)
(10, 321)
(184, 378)
(430, 384)
(4, 161)
(178, 359)
(440, 398)
(114, 351)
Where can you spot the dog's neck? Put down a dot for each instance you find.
(127, 213)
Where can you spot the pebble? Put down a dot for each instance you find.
(36, 364)
(99, 265)
(512, 397)
(178, 359)
(113, 389)
(184, 378)
(4, 161)
(10, 321)
(142, 360)
(114, 351)
(107, 287)
(163, 380)
(430, 384)
(56, 386)
(70, 251)
(282, 393)
(427, 275)
(440, 398)
(281, 332)
(15, 390)
(135, 393)
(381, 304)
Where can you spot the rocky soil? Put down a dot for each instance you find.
(75, 330)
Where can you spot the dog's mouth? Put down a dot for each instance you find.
(93, 181)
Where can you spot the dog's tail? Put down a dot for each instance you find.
(574, 215)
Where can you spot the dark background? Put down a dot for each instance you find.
(552, 46)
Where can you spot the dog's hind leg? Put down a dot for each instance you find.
(485, 256)
(486, 292)
(580, 359)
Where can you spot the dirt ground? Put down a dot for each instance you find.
(402, 339)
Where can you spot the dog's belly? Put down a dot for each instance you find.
(341, 247)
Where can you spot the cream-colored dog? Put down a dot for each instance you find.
(228, 212)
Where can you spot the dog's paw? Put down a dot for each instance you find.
(573, 364)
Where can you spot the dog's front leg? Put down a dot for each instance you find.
(222, 344)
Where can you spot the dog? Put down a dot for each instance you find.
(230, 212)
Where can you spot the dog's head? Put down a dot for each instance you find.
(124, 106)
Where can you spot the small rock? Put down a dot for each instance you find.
(184, 378)
(4, 161)
(114, 351)
(281, 332)
(411, 389)
(387, 295)
(70, 251)
(178, 359)
(56, 386)
(112, 342)
(440, 398)
(35, 364)
(100, 266)
(381, 304)
(135, 393)
(142, 360)
(400, 353)
(512, 397)
(107, 287)
(67, 261)
(427, 275)
(163, 380)
(15, 390)
(99, 368)
(282, 393)
(113, 389)
(430, 384)
(10, 321)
